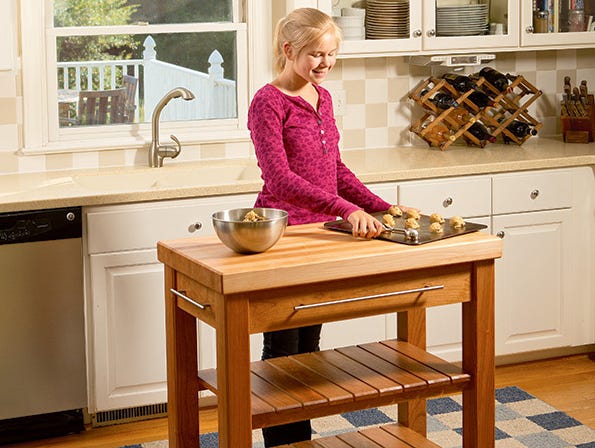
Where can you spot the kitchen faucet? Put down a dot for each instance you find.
(158, 152)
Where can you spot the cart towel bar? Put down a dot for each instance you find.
(375, 296)
(181, 295)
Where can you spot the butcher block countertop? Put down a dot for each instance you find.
(309, 253)
(51, 189)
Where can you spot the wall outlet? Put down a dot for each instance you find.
(339, 103)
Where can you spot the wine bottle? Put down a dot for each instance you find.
(460, 114)
(519, 129)
(495, 78)
(479, 131)
(444, 100)
(460, 82)
(480, 99)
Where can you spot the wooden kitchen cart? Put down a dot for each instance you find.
(311, 276)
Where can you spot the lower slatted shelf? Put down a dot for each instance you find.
(389, 436)
(345, 379)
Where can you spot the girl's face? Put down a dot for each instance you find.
(314, 61)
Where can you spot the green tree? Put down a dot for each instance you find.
(93, 13)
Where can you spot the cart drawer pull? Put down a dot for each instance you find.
(375, 296)
(188, 299)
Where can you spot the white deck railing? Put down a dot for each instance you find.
(215, 95)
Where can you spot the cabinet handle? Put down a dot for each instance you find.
(447, 202)
(501, 234)
(181, 295)
(194, 227)
(534, 194)
(530, 30)
(431, 33)
(375, 296)
(417, 33)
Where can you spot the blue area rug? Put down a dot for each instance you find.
(522, 421)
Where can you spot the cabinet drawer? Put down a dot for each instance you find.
(140, 226)
(520, 192)
(465, 197)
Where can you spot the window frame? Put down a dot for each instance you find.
(41, 132)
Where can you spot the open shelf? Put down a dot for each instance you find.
(345, 379)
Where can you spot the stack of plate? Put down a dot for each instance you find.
(387, 19)
(462, 20)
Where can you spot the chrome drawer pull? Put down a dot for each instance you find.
(188, 299)
(375, 296)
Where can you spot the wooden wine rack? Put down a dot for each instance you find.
(509, 105)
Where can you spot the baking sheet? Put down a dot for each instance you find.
(425, 236)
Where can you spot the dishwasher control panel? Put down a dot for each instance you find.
(40, 225)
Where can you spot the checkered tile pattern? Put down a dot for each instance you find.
(522, 421)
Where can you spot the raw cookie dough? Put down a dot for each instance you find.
(411, 223)
(436, 227)
(436, 217)
(456, 222)
(412, 213)
(388, 220)
(395, 211)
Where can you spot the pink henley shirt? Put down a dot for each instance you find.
(298, 154)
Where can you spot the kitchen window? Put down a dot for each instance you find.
(130, 53)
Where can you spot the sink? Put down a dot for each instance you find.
(161, 178)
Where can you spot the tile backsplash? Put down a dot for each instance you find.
(376, 111)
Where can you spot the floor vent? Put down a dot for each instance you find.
(105, 418)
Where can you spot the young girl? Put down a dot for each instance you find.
(297, 146)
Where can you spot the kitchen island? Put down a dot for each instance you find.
(313, 276)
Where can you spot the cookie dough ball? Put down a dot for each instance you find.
(411, 223)
(436, 217)
(412, 213)
(456, 222)
(436, 227)
(395, 211)
(388, 220)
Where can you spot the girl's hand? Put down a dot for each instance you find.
(364, 225)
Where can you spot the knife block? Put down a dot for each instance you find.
(579, 129)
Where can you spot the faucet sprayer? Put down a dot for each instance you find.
(158, 152)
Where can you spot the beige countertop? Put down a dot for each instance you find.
(31, 191)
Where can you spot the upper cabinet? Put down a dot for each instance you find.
(554, 23)
(410, 27)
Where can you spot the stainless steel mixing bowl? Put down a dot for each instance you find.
(249, 237)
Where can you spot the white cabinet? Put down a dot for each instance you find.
(561, 32)
(469, 197)
(543, 277)
(510, 24)
(544, 280)
(125, 309)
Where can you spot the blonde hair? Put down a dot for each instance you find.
(300, 28)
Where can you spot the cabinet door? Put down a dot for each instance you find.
(533, 304)
(556, 25)
(451, 25)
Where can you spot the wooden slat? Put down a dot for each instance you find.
(383, 385)
(332, 392)
(405, 379)
(328, 382)
(357, 440)
(388, 436)
(286, 383)
(358, 388)
(414, 367)
(411, 437)
(455, 373)
(385, 439)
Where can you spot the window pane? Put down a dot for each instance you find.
(202, 62)
(125, 12)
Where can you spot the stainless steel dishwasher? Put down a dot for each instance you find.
(42, 340)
